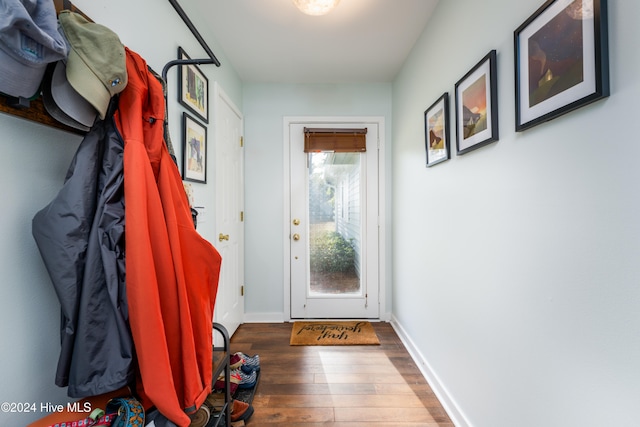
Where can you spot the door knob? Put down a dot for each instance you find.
(223, 237)
(296, 237)
(296, 221)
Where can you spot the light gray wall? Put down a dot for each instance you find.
(515, 266)
(34, 162)
(265, 106)
(516, 272)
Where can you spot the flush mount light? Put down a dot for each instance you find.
(316, 7)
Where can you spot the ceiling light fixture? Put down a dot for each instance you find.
(316, 7)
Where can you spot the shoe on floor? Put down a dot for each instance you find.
(244, 362)
(235, 361)
(241, 378)
(240, 411)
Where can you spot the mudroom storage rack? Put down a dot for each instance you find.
(221, 363)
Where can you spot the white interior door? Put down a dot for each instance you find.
(229, 310)
(333, 228)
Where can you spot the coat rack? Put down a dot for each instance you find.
(210, 60)
(34, 109)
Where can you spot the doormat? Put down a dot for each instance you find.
(333, 333)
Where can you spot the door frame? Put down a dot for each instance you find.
(220, 97)
(329, 120)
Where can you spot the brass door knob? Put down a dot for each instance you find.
(223, 237)
(296, 221)
(296, 237)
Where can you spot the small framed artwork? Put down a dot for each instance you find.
(561, 60)
(436, 130)
(194, 150)
(193, 89)
(477, 106)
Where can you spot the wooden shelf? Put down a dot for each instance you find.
(34, 109)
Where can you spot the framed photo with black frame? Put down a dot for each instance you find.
(561, 60)
(436, 130)
(194, 149)
(477, 106)
(193, 90)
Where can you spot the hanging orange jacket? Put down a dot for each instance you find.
(172, 273)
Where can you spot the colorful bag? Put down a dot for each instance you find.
(129, 412)
(120, 412)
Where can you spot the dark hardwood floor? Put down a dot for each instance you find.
(337, 386)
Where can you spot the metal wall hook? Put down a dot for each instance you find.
(212, 58)
(165, 70)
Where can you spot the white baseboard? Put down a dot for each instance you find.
(449, 404)
(280, 318)
(264, 318)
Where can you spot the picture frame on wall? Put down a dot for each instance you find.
(194, 149)
(193, 88)
(477, 106)
(436, 130)
(561, 60)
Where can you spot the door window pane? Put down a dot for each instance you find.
(334, 223)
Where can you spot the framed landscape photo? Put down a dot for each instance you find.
(477, 106)
(436, 129)
(193, 90)
(194, 150)
(561, 60)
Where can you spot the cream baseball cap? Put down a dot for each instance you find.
(96, 65)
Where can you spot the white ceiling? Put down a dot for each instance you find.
(271, 41)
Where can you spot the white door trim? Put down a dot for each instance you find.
(227, 294)
(379, 120)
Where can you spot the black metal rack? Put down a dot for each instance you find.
(221, 364)
(210, 60)
(222, 415)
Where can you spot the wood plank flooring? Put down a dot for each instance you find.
(337, 386)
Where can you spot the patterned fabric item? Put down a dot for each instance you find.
(104, 420)
(130, 412)
(121, 412)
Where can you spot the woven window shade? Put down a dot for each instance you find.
(335, 140)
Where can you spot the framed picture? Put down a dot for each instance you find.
(477, 106)
(194, 88)
(194, 150)
(436, 130)
(561, 60)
